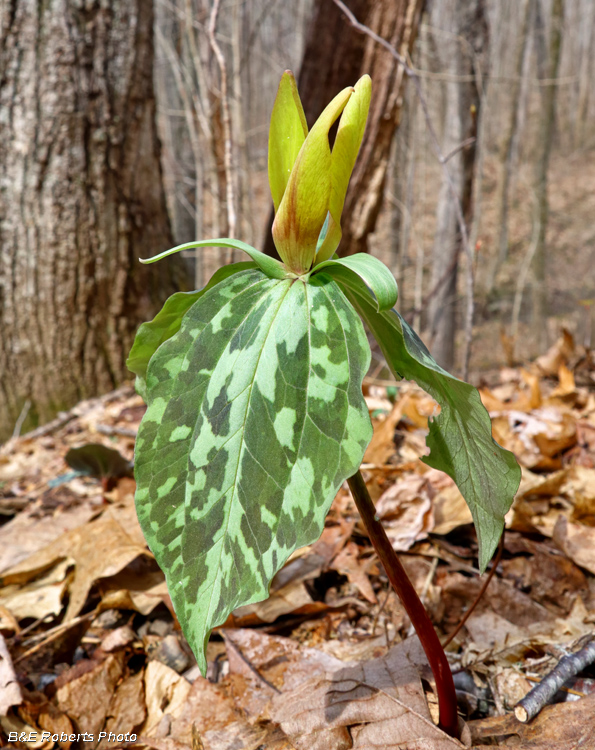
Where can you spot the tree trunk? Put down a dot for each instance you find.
(81, 198)
(507, 151)
(547, 122)
(463, 20)
(585, 80)
(335, 56)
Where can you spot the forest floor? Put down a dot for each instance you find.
(89, 642)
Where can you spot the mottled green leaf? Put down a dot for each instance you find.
(151, 335)
(255, 417)
(371, 271)
(270, 266)
(460, 438)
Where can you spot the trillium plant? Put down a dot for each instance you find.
(255, 411)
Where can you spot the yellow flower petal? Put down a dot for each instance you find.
(345, 150)
(287, 133)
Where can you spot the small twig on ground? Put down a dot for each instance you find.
(236, 649)
(82, 408)
(380, 610)
(51, 635)
(541, 694)
(562, 689)
(442, 160)
(482, 591)
(110, 430)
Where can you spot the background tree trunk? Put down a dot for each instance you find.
(507, 151)
(81, 198)
(335, 56)
(465, 22)
(547, 124)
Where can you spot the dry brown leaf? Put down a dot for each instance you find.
(376, 704)
(540, 436)
(550, 578)
(564, 726)
(566, 391)
(292, 598)
(15, 724)
(25, 535)
(450, 510)
(211, 715)
(51, 719)
(347, 563)
(99, 549)
(523, 401)
(406, 511)
(577, 542)
(86, 698)
(127, 708)
(10, 689)
(141, 588)
(490, 631)
(118, 638)
(382, 445)
(260, 665)
(502, 598)
(39, 598)
(309, 562)
(166, 692)
(511, 686)
(557, 355)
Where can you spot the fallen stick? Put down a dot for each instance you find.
(541, 694)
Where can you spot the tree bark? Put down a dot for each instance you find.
(507, 151)
(547, 123)
(81, 198)
(336, 56)
(463, 20)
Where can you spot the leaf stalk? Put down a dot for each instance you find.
(447, 699)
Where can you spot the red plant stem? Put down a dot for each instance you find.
(447, 699)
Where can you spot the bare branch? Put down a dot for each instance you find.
(541, 694)
(226, 121)
(457, 149)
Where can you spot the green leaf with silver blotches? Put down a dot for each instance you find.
(371, 271)
(255, 417)
(460, 437)
(166, 323)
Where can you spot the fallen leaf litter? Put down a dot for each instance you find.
(89, 643)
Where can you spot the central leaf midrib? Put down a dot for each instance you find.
(240, 454)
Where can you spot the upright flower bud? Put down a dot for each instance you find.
(307, 181)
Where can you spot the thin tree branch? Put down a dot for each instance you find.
(363, 29)
(541, 694)
(460, 147)
(524, 269)
(486, 583)
(226, 121)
